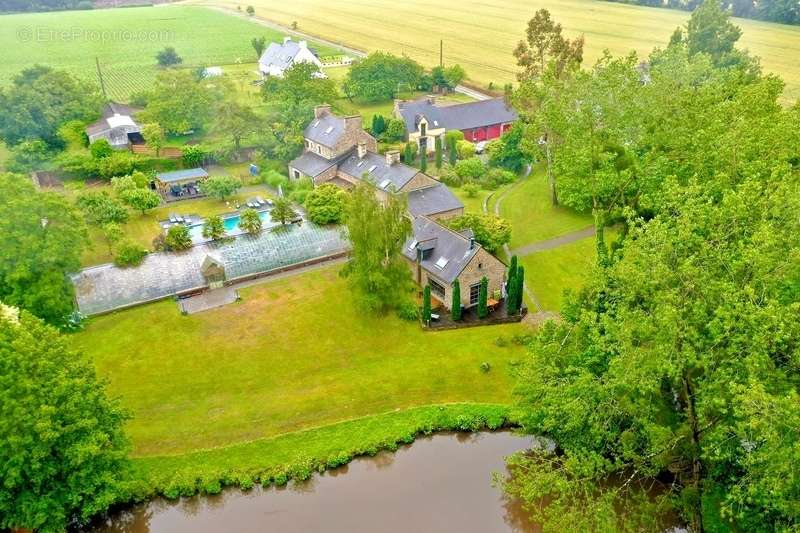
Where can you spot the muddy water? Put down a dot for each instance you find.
(437, 484)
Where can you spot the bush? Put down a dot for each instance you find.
(491, 231)
(465, 149)
(100, 149)
(129, 254)
(250, 221)
(100, 208)
(117, 164)
(178, 238)
(193, 155)
(497, 177)
(275, 179)
(325, 204)
(449, 177)
(299, 196)
(455, 135)
(471, 189)
(485, 367)
(407, 311)
(470, 169)
(168, 57)
(395, 130)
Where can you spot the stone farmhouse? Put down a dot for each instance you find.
(339, 151)
(280, 56)
(426, 120)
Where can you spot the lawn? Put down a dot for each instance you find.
(4, 153)
(295, 353)
(143, 229)
(481, 35)
(471, 204)
(125, 42)
(532, 215)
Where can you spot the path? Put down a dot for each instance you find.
(468, 91)
(555, 242)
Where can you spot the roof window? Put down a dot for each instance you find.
(441, 263)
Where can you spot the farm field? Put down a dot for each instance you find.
(277, 362)
(125, 42)
(480, 35)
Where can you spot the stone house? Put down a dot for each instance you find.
(337, 150)
(426, 120)
(116, 125)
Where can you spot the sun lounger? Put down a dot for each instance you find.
(178, 218)
(173, 218)
(269, 202)
(260, 200)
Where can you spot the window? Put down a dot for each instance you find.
(437, 289)
(423, 129)
(474, 293)
(441, 263)
(296, 174)
(308, 143)
(319, 150)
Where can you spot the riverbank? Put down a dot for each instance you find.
(297, 455)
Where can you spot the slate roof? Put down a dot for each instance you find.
(311, 164)
(447, 244)
(180, 175)
(459, 116)
(326, 130)
(114, 124)
(383, 176)
(280, 55)
(432, 200)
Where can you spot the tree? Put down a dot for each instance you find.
(439, 154)
(192, 155)
(236, 120)
(377, 269)
(491, 231)
(452, 151)
(129, 253)
(40, 100)
(545, 48)
(113, 233)
(470, 169)
(45, 235)
(250, 221)
(168, 57)
(221, 186)
(513, 297)
(258, 44)
(423, 160)
(710, 31)
(465, 149)
(378, 124)
(483, 297)
(62, 448)
(101, 148)
(455, 304)
(666, 363)
(395, 130)
(141, 199)
(251, 10)
(299, 90)
(408, 154)
(178, 238)
(282, 211)
(178, 102)
(154, 137)
(519, 288)
(100, 208)
(214, 228)
(426, 304)
(507, 151)
(325, 204)
(381, 75)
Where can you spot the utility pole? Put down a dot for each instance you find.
(441, 46)
(100, 76)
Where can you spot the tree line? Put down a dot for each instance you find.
(670, 384)
(783, 11)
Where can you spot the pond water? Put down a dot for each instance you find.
(441, 483)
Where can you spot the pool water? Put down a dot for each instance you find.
(231, 225)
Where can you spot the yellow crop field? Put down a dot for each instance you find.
(481, 34)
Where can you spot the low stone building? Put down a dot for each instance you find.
(116, 125)
(438, 256)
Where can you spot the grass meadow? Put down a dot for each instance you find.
(481, 34)
(295, 353)
(125, 42)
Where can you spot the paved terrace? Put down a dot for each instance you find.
(108, 287)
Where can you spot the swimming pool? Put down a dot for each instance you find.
(230, 223)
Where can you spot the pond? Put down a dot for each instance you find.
(439, 484)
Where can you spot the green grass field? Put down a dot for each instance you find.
(295, 353)
(532, 215)
(480, 35)
(125, 42)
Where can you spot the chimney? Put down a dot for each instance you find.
(472, 243)
(392, 157)
(362, 149)
(286, 39)
(322, 110)
(303, 44)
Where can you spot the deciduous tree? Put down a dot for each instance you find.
(258, 44)
(178, 238)
(168, 57)
(154, 137)
(491, 231)
(381, 75)
(282, 211)
(141, 199)
(250, 221)
(213, 228)
(221, 186)
(325, 204)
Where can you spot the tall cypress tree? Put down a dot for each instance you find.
(483, 296)
(519, 290)
(408, 155)
(426, 304)
(455, 310)
(439, 154)
(452, 153)
(512, 296)
(423, 161)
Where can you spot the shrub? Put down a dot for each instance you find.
(100, 208)
(471, 189)
(250, 10)
(100, 149)
(214, 228)
(449, 177)
(275, 179)
(159, 243)
(168, 57)
(129, 254)
(395, 130)
(485, 367)
(282, 211)
(453, 136)
(407, 310)
(299, 196)
(117, 164)
(465, 149)
(193, 155)
(472, 168)
(497, 177)
(501, 342)
(491, 231)
(141, 199)
(325, 204)
(178, 238)
(250, 221)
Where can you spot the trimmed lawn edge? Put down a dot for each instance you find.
(297, 455)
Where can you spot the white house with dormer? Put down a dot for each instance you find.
(280, 56)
